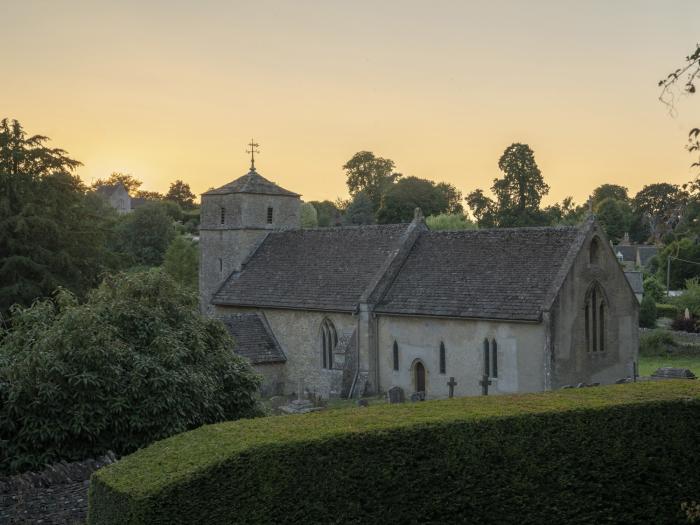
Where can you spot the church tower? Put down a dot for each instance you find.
(234, 219)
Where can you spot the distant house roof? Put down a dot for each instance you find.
(636, 280)
(251, 182)
(316, 269)
(636, 253)
(496, 273)
(137, 202)
(508, 274)
(254, 339)
(107, 190)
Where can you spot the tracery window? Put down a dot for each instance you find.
(595, 319)
(329, 340)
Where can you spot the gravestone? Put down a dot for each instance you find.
(668, 372)
(395, 394)
(418, 396)
(451, 385)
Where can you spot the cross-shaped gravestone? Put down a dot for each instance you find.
(452, 383)
(485, 382)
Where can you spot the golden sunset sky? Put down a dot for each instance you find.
(174, 90)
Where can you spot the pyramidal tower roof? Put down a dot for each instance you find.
(251, 182)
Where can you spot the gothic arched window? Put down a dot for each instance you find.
(443, 363)
(395, 355)
(594, 319)
(329, 340)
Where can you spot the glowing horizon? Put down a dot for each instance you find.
(175, 91)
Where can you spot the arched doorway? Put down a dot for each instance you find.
(419, 372)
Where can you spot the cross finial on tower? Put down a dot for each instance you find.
(253, 150)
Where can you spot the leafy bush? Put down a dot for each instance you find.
(525, 459)
(134, 364)
(658, 342)
(647, 312)
(666, 310)
(449, 221)
(683, 324)
(182, 261)
(654, 288)
(689, 299)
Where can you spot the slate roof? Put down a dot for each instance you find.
(636, 281)
(646, 253)
(629, 252)
(251, 182)
(254, 340)
(493, 274)
(313, 269)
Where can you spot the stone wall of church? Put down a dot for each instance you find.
(572, 361)
(299, 335)
(520, 348)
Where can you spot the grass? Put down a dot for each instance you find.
(648, 364)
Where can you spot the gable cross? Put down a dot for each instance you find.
(253, 150)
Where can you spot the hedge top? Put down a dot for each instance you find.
(186, 455)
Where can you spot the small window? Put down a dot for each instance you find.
(223, 215)
(329, 340)
(494, 358)
(396, 355)
(443, 364)
(221, 265)
(269, 215)
(487, 365)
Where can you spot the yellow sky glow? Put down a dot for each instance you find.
(175, 90)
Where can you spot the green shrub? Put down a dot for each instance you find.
(658, 342)
(616, 454)
(647, 312)
(134, 364)
(689, 299)
(666, 310)
(654, 288)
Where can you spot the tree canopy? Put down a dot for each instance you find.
(146, 233)
(401, 200)
(131, 183)
(52, 232)
(370, 175)
(359, 211)
(180, 193)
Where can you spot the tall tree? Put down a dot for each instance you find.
(452, 196)
(661, 204)
(181, 261)
(483, 208)
(145, 234)
(131, 183)
(309, 216)
(52, 233)
(608, 191)
(180, 192)
(370, 175)
(615, 217)
(401, 200)
(328, 213)
(359, 211)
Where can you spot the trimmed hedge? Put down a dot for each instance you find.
(615, 454)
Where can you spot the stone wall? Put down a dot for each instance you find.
(571, 362)
(520, 354)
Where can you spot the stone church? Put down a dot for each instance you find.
(348, 311)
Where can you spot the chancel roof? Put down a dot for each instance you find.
(251, 182)
(492, 274)
(254, 340)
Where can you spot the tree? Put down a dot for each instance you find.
(647, 312)
(309, 217)
(565, 213)
(661, 204)
(131, 183)
(685, 262)
(401, 200)
(449, 221)
(181, 262)
(145, 234)
(52, 232)
(609, 191)
(359, 211)
(688, 74)
(518, 194)
(328, 213)
(149, 195)
(180, 193)
(483, 208)
(370, 175)
(134, 364)
(452, 197)
(615, 216)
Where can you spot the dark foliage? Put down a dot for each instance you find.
(647, 312)
(134, 364)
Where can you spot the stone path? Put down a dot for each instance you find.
(56, 495)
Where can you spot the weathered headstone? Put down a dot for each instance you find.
(418, 396)
(395, 394)
(668, 372)
(362, 403)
